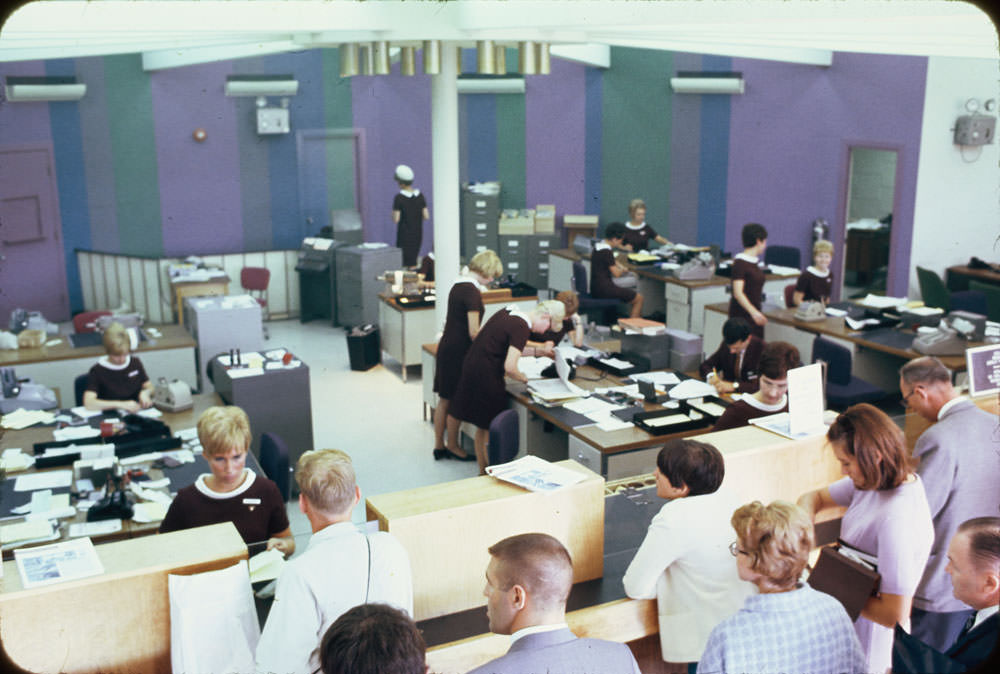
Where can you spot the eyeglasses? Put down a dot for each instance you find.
(906, 398)
(734, 549)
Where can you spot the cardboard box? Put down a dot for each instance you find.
(517, 222)
(545, 219)
(579, 224)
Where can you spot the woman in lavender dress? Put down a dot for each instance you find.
(887, 517)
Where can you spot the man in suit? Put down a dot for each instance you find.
(974, 567)
(735, 364)
(527, 583)
(960, 467)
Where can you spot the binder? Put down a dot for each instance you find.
(849, 581)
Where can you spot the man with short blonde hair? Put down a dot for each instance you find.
(340, 568)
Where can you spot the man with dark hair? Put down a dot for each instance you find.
(960, 467)
(604, 269)
(373, 639)
(734, 365)
(527, 583)
(974, 567)
(776, 359)
(684, 561)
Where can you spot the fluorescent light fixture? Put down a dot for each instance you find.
(692, 82)
(490, 85)
(27, 89)
(261, 85)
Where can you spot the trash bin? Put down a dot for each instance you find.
(364, 347)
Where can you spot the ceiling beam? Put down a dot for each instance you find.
(173, 58)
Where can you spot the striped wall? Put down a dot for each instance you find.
(132, 179)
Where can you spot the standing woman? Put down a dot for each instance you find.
(409, 210)
(461, 325)
(887, 517)
(748, 279)
(481, 394)
(637, 233)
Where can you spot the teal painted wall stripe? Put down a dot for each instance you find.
(636, 125)
(133, 149)
(337, 115)
(510, 150)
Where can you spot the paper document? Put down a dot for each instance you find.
(57, 563)
(881, 302)
(150, 413)
(535, 474)
(22, 418)
(855, 324)
(240, 372)
(50, 479)
(25, 531)
(555, 389)
(148, 511)
(99, 528)
(616, 363)
(75, 433)
(84, 413)
(532, 366)
(805, 400)
(832, 311)
(14, 459)
(692, 388)
(266, 565)
(658, 378)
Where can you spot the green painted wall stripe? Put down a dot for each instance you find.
(338, 114)
(511, 155)
(133, 151)
(636, 124)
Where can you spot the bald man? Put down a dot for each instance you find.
(527, 583)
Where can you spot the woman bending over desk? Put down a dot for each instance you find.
(544, 343)
(231, 492)
(118, 381)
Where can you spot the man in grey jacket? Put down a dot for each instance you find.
(959, 458)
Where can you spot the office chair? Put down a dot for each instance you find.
(842, 388)
(86, 321)
(790, 295)
(973, 301)
(504, 439)
(602, 311)
(992, 294)
(255, 281)
(80, 387)
(274, 461)
(934, 293)
(783, 256)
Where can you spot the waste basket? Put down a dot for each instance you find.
(364, 347)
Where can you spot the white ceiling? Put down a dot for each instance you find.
(176, 33)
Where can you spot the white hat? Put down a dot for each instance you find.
(404, 173)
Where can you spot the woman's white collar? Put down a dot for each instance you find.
(514, 311)
(764, 407)
(105, 361)
(202, 487)
(749, 258)
(409, 193)
(601, 245)
(635, 227)
(816, 272)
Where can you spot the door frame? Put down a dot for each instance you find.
(358, 135)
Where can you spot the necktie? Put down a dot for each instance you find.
(967, 626)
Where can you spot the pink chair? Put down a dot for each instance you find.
(790, 295)
(86, 321)
(255, 281)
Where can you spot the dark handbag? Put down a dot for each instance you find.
(850, 582)
(113, 505)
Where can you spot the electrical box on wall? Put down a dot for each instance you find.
(975, 129)
(272, 120)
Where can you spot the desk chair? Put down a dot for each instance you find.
(602, 311)
(970, 300)
(783, 256)
(504, 439)
(274, 461)
(935, 293)
(790, 295)
(80, 387)
(86, 321)
(992, 294)
(255, 281)
(842, 388)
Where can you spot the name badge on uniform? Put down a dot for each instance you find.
(133, 373)
(252, 502)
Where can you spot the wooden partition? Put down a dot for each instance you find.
(115, 623)
(447, 528)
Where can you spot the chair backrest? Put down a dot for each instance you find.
(80, 387)
(783, 256)
(255, 278)
(580, 278)
(932, 289)
(790, 295)
(837, 359)
(274, 461)
(969, 300)
(504, 437)
(87, 321)
(992, 294)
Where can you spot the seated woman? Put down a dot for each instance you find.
(887, 517)
(735, 364)
(603, 269)
(787, 626)
(232, 492)
(637, 233)
(816, 282)
(118, 381)
(572, 325)
(776, 360)
(684, 561)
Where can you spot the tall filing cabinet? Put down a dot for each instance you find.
(219, 324)
(514, 255)
(358, 286)
(480, 217)
(537, 263)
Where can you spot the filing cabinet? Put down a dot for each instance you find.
(358, 283)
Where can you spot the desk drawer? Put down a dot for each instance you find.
(677, 293)
(678, 315)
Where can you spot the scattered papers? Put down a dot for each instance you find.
(75, 433)
(148, 511)
(50, 479)
(180, 455)
(14, 459)
(658, 378)
(150, 413)
(266, 565)
(25, 531)
(855, 324)
(532, 366)
(881, 302)
(551, 390)
(187, 434)
(57, 563)
(152, 496)
(616, 363)
(22, 418)
(588, 406)
(833, 311)
(535, 474)
(84, 413)
(99, 528)
(692, 388)
(148, 457)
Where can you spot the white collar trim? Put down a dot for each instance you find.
(749, 258)
(635, 227)
(200, 485)
(409, 193)
(514, 311)
(816, 272)
(601, 245)
(105, 361)
(764, 407)
(469, 279)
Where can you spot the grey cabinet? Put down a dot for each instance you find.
(358, 285)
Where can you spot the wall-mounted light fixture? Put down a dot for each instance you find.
(486, 57)
(29, 89)
(528, 58)
(694, 82)
(408, 61)
(976, 128)
(261, 85)
(348, 60)
(432, 57)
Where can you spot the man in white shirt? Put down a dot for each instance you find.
(340, 568)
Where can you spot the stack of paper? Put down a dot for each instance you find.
(692, 388)
(535, 474)
(22, 418)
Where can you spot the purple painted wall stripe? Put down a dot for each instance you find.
(682, 201)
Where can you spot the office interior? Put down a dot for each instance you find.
(126, 176)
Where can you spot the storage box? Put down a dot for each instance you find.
(517, 222)
(545, 219)
(686, 343)
(579, 224)
(654, 347)
(684, 362)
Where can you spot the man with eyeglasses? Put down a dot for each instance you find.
(960, 468)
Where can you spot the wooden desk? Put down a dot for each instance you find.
(959, 275)
(57, 366)
(875, 361)
(404, 329)
(117, 622)
(213, 286)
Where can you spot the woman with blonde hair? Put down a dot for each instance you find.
(637, 233)
(572, 325)
(787, 626)
(118, 381)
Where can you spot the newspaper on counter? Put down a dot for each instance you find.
(535, 474)
(57, 563)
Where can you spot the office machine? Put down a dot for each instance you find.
(583, 245)
(16, 394)
(317, 268)
(401, 282)
(700, 267)
(172, 396)
(810, 310)
(952, 336)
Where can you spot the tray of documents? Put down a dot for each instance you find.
(677, 419)
(621, 364)
(711, 406)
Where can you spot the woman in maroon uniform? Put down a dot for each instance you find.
(461, 325)
(481, 393)
(637, 233)
(603, 269)
(816, 282)
(748, 279)
(775, 362)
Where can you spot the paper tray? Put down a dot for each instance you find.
(709, 399)
(647, 421)
(641, 364)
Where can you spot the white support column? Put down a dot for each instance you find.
(444, 162)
